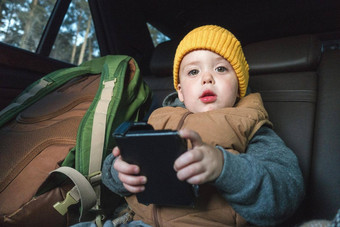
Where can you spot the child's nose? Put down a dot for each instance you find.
(207, 78)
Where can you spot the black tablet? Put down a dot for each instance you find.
(155, 152)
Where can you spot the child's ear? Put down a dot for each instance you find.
(179, 92)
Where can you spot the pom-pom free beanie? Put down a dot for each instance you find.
(220, 41)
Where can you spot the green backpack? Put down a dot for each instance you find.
(122, 96)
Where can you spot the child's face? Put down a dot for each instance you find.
(207, 82)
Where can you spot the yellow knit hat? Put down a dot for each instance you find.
(220, 41)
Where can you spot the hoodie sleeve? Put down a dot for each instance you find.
(110, 177)
(265, 184)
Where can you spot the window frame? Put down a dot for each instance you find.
(52, 27)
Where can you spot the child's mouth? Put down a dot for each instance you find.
(208, 97)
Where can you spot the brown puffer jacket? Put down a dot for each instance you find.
(230, 128)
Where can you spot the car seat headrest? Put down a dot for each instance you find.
(291, 54)
(162, 59)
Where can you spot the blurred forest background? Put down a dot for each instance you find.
(22, 23)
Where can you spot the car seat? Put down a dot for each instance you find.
(299, 80)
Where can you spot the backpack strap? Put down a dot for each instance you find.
(94, 133)
(82, 191)
(99, 127)
(98, 139)
(105, 108)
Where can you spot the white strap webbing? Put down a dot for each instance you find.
(98, 133)
(90, 194)
(84, 189)
(99, 127)
(30, 93)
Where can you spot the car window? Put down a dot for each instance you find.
(156, 36)
(76, 41)
(22, 22)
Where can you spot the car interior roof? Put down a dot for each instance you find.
(250, 21)
(121, 25)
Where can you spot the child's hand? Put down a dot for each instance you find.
(201, 164)
(128, 174)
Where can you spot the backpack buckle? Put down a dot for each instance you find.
(72, 197)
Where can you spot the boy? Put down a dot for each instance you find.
(245, 172)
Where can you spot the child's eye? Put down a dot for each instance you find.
(221, 69)
(193, 72)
